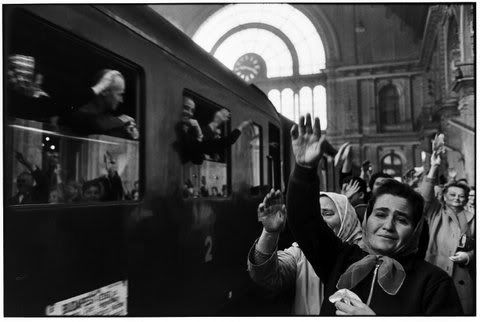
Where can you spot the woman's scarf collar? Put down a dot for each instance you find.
(391, 273)
(350, 228)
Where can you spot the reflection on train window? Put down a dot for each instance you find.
(72, 118)
(202, 142)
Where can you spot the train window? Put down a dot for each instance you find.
(203, 142)
(72, 118)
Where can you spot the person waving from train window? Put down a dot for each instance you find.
(384, 271)
(278, 270)
(99, 116)
(27, 99)
(195, 141)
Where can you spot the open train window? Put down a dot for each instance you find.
(71, 114)
(203, 143)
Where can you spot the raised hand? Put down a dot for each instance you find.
(306, 142)
(245, 124)
(452, 173)
(272, 212)
(350, 189)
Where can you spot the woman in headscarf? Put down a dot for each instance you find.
(277, 270)
(451, 243)
(385, 273)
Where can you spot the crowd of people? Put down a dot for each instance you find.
(378, 247)
(82, 111)
(49, 185)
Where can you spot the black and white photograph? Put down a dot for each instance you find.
(244, 159)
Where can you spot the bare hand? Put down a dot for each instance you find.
(354, 308)
(350, 189)
(306, 142)
(223, 114)
(460, 257)
(438, 148)
(452, 173)
(272, 212)
(126, 119)
(244, 124)
(133, 131)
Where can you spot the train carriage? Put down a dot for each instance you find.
(173, 255)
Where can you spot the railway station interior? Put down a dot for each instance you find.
(146, 149)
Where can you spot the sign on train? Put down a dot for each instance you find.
(107, 300)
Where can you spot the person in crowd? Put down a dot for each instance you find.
(412, 178)
(384, 272)
(224, 191)
(135, 193)
(92, 191)
(112, 183)
(99, 116)
(376, 180)
(56, 196)
(355, 189)
(72, 192)
(188, 190)
(203, 187)
(42, 180)
(471, 200)
(277, 270)
(215, 192)
(194, 142)
(27, 99)
(27, 192)
(451, 243)
(366, 171)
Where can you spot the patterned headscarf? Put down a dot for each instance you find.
(350, 229)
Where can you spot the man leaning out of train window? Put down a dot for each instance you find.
(383, 275)
(195, 141)
(279, 270)
(27, 99)
(100, 115)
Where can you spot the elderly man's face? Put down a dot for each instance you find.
(114, 95)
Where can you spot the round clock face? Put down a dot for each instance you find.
(248, 67)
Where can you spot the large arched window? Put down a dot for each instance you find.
(389, 106)
(320, 105)
(288, 104)
(274, 97)
(276, 47)
(392, 165)
(283, 18)
(261, 42)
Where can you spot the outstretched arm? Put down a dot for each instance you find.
(316, 239)
(271, 269)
